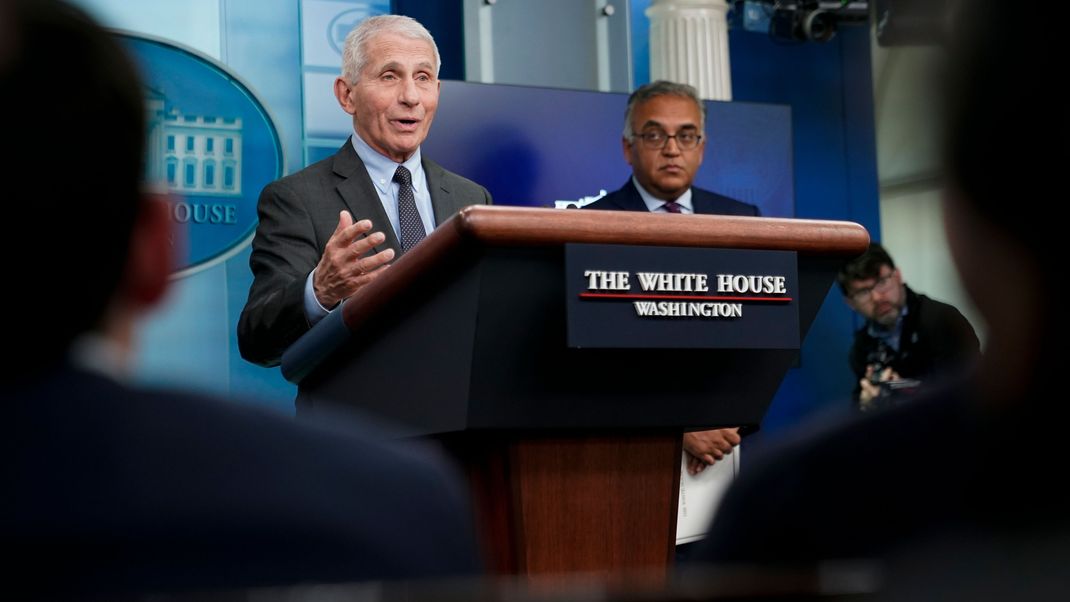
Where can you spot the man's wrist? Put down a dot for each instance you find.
(314, 309)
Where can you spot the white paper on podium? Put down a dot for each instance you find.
(701, 494)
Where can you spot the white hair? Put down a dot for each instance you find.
(355, 53)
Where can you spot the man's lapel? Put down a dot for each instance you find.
(360, 197)
(443, 200)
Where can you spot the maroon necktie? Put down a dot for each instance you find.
(673, 207)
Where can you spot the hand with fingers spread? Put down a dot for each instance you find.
(344, 268)
(705, 448)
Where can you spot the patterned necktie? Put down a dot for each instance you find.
(412, 227)
(673, 207)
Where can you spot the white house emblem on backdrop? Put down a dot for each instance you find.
(211, 143)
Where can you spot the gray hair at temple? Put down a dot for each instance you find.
(355, 52)
(661, 88)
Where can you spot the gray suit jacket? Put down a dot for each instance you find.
(298, 214)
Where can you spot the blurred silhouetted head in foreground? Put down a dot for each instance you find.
(74, 141)
(1004, 130)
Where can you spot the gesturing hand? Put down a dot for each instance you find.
(343, 268)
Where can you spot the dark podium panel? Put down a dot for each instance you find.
(572, 454)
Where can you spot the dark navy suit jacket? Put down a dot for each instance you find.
(110, 490)
(703, 201)
(944, 471)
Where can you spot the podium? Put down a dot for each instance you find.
(571, 454)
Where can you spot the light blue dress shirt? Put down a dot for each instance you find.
(381, 170)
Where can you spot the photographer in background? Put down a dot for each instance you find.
(907, 337)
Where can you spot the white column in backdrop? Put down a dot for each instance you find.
(689, 45)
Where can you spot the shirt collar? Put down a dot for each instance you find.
(654, 204)
(381, 168)
(878, 331)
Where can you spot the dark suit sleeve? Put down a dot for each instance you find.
(954, 342)
(485, 194)
(285, 251)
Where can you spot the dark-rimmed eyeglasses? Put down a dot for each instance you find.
(883, 285)
(657, 139)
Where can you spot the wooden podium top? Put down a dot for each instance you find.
(482, 226)
(525, 226)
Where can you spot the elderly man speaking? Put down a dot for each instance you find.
(333, 227)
